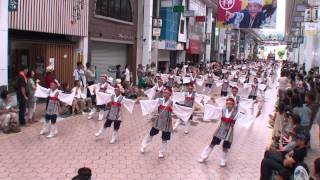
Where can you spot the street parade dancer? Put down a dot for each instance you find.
(163, 123)
(114, 115)
(189, 98)
(52, 109)
(223, 133)
(209, 82)
(171, 79)
(225, 84)
(102, 86)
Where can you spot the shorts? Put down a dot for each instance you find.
(252, 97)
(216, 141)
(224, 93)
(52, 118)
(165, 135)
(209, 85)
(101, 107)
(116, 124)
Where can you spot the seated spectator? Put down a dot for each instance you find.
(288, 140)
(8, 115)
(78, 103)
(66, 109)
(275, 161)
(83, 174)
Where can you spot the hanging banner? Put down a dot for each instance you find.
(259, 14)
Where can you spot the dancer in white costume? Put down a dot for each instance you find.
(163, 123)
(52, 111)
(113, 116)
(189, 98)
(100, 87)
(224, 132)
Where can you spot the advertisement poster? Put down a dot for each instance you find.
(258, 14)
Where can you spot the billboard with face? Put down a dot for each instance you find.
(259, 14)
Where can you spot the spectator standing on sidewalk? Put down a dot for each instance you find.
(141, 76)
(21, 91)
(153, 69)
(78, 74)
(126, 82)
(90, 77)
(31, 88)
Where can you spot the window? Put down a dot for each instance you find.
(118, 9)
(182, 27)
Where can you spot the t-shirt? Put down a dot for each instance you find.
(20, 83)
(127, 74)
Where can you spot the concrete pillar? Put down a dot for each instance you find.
(228, 46)
(4, 42)
(140, 32)
(147, 31)
(85, 50)
(209, 32)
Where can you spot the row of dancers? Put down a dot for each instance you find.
(162, 104)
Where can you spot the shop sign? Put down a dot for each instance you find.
(166, 3)
(308, 15)
(156, 32)
(194, 47)
(172, 45)
(178, 9)
(189, 13)
(316, 14)
(13, 5)
(200, 18)
(157, 22)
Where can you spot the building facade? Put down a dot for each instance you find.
(47, 32)
(113, 34)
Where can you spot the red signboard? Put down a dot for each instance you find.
(200, 18)
(226, 7)
(195, 47)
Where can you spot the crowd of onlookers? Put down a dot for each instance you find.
(296, 112)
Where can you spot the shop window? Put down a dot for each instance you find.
(118, 9)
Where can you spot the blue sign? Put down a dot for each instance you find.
(172, 45)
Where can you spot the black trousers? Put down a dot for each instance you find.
(52, 118)
(22, 109)
(224, 93)
(216, 141)
(89, 84)
(116, 124)
(252, 97)
(165, 135)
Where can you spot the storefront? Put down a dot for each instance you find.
(169, 55)
(105, 56)
(194, 51)
(37, 53)
(39, 37)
